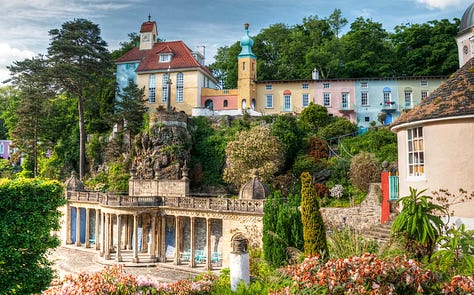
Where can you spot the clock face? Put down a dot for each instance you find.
(146, 37)
(465, 49)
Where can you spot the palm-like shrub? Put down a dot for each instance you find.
(419, 222)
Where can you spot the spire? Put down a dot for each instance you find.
(246, 43)
(149, 16)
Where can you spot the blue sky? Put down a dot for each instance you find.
(24, 25)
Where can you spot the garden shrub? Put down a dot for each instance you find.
(364, 170)
(314, 232)
(28, 214)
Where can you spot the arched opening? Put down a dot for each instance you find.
(253, 104)
(244, 104)
(209, 104)
(226, 103)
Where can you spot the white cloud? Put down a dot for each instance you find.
(8, 55)
(442, 4)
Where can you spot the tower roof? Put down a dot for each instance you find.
(253, 189)
(246, 43)
(467, 20)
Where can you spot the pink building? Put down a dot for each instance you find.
(338, 96)
(5, 148)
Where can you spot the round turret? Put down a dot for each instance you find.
(467, 20)
(253, 189)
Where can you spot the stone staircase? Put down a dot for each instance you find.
(379, 232)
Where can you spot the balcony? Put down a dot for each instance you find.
(389, 106)
(347, 108)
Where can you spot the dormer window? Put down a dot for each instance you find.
(165, 57)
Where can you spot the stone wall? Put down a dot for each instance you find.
(162, 188)
(361, 217)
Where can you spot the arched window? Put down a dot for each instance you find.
(226, 103)
(209, 104)
(253, 104)
(244, 104)
(151, 88)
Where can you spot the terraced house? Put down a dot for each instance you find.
(172, 70)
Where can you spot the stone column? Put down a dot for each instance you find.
(88, 211)
(118, 257)
(177, 238)
(107, 237)
(128, 235)
(110, 234)
(78, 226)
(135, 238)
(97, 223)
(192, 262)
(68, 224)
(163, 239)
(102, 235)
(208, 244)
(152, 244)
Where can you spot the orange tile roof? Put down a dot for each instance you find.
(147, 26)
(455, 97)
(148, 59)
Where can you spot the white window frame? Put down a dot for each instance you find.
(424, 94)
(305, 100)
(364, 95)
(305, 86)
(165, 58)
(416, 162)
(387, 97)
(409, 102)
(327, 99)
(268, 87)
(423, 83)
(269, 101)
(326, 85)
(2, 148)
(164, 88)
(287, 102)
(364, 84)
(151, 89)
(345, 100)
(179, 87)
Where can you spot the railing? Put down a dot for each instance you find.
(389, 106)
(191, 203)
(393, 186)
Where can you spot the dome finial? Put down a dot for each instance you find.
(246, 26)
(246, 43)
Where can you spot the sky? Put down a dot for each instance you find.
(24, 25)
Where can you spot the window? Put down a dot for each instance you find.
(268, 87)
(269, 101)
(364, 84)
(151, 88)
(226, 103)
(305, 100)
(416, 152)
(424, 94)
(326, 99)
(243, 66)
(305, 86)
(287, 102)
(423, 83)
(165, 58)
(408, 102)
(345, 100)
(367, 119)
(364, 97)
(387, 97)
(164, 88)
(2, 148)
(326, 85)
(179, 87)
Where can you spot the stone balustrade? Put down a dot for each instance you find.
(182, 202)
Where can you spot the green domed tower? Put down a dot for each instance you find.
(247, 73)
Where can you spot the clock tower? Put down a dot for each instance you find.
(148, 34)
(247, 73)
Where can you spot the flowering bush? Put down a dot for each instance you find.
(459, 285)
(336, 191)
(366, 274)
(114, 280)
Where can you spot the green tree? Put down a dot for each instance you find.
(131, 109)
(336, 21)
(225, 66)
(419, 222)
(314, 232)
(381, 142)
(338, 127)
(79, 58)
(31, 78)
(366, 50)
(364, 170)
(29, 213)
(253, 149)
(426, 49)
(314, 116)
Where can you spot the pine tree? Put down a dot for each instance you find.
(273, 248)
(314, 232)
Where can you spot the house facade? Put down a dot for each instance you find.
(436, 137)
(171, 69)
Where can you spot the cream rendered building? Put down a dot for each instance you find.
(436, 138)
